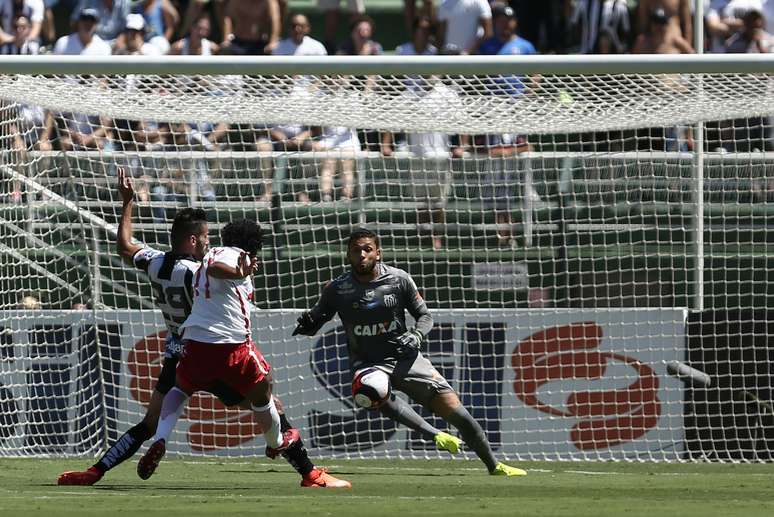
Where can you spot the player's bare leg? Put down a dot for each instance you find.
(124, 448)
(327, 169)
(347, 179)
(448, 406)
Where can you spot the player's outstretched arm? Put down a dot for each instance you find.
(246, 266)
(126, 248)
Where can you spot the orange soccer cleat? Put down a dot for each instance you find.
(75, 477)
(151, 459)
(289, 437)
(319, 478)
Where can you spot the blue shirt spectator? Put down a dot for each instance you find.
(505, 42)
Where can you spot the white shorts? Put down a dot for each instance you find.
(354, 6)
(340, 139)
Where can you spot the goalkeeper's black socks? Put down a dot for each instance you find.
(296, 454)
(398, 410)
(124, 448)
(473, 435)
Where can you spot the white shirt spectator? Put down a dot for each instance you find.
(71, 45)
(111, 21)
(308, 47)
(433, 145)
(462, 20)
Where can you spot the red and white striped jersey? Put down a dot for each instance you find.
(221, 308)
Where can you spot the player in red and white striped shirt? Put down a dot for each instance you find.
(219, 351)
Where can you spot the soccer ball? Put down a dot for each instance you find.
(370, 388)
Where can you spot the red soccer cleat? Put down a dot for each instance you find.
(85, 478)
(151, 459)
(289, 437)
(319, 478)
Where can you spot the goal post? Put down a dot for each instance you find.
(569, 234)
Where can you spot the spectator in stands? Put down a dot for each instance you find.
(717, 26)
(10, 10)
(133, 41)
(360, 42)
(344, 143)
(30, 128)
(752, 37)
(251, 27)
(331, 11)
(602, 27)
(430, 165)
(464, 23)
(289, 137)
(500, 179)
(84, 40)
(161, 19)
(678, 14)
(21, 44)
(298, 42)
(660, 38)
(420, 44)
(111, 16)
(410, 14)
(197, 42)
(79, 131)
(505, 40)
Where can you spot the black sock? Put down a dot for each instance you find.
(296, 454)
(298, 458)
(473, 435)
(396, 409)
(284, 424)
(124, 448)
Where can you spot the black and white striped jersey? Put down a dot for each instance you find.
(171, 276)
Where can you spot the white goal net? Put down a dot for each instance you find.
(581, 240)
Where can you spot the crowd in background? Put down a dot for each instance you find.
(255, 27)
(269, 27)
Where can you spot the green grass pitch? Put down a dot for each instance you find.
(397, 488)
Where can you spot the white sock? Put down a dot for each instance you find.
(268, 417)
(171, 409)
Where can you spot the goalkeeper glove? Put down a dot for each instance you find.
(409, 342)
(306, 325)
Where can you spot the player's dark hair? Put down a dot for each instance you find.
(362, 233)
(243, 233)
(188, 221)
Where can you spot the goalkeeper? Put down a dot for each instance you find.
(371, 300)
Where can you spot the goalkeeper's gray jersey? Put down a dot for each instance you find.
(373, 313)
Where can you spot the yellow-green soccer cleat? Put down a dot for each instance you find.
(501, 469)
(447, 442)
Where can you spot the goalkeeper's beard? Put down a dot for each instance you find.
(363, 269)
